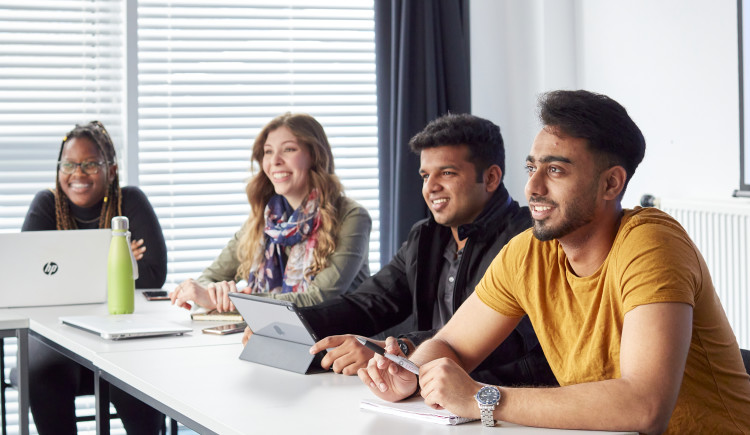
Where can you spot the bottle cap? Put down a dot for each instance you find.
(120, 223)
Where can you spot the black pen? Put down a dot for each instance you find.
(403, 362)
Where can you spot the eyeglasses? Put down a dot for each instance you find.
(89, 168)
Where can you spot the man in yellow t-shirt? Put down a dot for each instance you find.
(621, 300)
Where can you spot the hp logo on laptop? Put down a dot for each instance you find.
(50, 268)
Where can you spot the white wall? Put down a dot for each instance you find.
(672, 64)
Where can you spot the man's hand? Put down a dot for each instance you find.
(446, 385)
(346, 355)
(386, 379)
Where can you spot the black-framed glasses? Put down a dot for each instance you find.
(89, 168)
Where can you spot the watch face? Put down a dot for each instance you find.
(403, 346)
(488, 395)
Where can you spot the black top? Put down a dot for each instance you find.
(152, 268)
(408, 287)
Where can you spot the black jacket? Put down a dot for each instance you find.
(408, 286)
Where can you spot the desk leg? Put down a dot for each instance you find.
(101, 394)
(23, 379)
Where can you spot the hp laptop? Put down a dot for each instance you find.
(281, 336)
(117, 327)
(53, 267)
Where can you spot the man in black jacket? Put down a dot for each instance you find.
(473, 217)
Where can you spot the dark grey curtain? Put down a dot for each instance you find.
(422, 68)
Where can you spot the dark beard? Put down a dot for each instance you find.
(548, 233)
(579, 213)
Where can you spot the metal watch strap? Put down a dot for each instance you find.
(486, 411)
(487, 398)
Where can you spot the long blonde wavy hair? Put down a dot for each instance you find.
(311, 136)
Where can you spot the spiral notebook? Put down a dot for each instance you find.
(414, 408)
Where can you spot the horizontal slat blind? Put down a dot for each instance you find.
(61, 63)
(211, 74)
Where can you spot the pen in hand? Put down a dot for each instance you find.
(403, 362)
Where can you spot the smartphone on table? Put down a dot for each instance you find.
(156, 295)
(231, 328)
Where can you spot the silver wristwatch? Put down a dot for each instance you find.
(488, 397)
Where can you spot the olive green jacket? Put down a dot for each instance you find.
(347, 268)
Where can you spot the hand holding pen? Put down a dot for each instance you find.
(398, 359)
(390, 382)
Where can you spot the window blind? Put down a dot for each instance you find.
(61, 64)
(211, 75)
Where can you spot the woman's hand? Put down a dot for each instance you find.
(138, 249)
(190, 290)
(246, 335)
(218, 292)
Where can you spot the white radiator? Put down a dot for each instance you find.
(721, 230)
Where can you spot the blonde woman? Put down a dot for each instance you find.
(304, 241)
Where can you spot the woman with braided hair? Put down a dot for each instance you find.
(87, 195)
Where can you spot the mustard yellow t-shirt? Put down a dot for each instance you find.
(579, 320)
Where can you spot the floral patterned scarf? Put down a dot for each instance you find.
(285, 227)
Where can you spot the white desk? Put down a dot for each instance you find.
(85, 348)
(12, 324)
(199, 380)
(220, 393)
(44, 322)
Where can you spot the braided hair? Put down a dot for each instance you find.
(97, 134)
